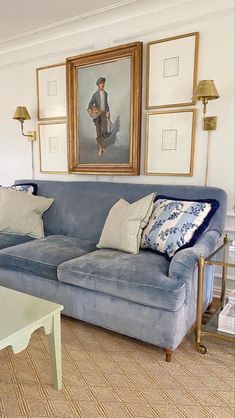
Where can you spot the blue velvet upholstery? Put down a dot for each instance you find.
(140, 278)
(8, 240)
(143, 296)
(184, 262)
(42, 257)
(77, 203)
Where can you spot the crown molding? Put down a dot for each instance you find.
(132, 19)
(66, 22)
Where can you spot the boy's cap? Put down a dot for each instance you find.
(100, 80)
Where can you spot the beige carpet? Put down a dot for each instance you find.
(109, 375)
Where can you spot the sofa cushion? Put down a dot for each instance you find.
(124, 225)
(42, 257)
(21, 213)
(30, 188)
(69, 214)
(8, 240)
(140, 278)
(176, 224)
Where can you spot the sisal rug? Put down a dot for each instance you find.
(109, 375)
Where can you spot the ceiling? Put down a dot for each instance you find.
(17, 17)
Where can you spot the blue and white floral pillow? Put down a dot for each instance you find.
(30, 188)
(176, 224)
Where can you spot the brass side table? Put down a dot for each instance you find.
(221, 257)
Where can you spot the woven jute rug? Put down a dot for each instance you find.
(109, 375)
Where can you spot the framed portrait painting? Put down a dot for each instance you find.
(104, 110)
(172, 71)
(170, 142)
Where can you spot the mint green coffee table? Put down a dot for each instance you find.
(21, 315)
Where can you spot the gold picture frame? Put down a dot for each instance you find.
(93, 147)
(53, 147)
(172, 71)
(170, 143)
(51, 92)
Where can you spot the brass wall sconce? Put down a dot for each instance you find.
(206, 91)
(21, 114)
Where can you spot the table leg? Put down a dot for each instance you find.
(201, 267)
(224, 271)
(54, 339)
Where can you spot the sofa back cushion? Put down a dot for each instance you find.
(80, 208)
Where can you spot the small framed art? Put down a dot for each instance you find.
(51, 92)
(170, 142)
(172, 71)
(53, 147)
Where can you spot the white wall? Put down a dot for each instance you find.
(150, 20)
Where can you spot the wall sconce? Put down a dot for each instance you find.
(206, 91)
(21, 114)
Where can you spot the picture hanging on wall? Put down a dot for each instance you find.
(170, 142)
(53, 147)
(104, 110)
(172, 71)
(51, 92)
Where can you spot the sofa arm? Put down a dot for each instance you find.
(183, 263)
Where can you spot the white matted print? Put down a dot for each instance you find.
(53, 148)
(170, 143)
(172, 71)
(51, 89)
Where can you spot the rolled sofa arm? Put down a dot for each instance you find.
(183, 263)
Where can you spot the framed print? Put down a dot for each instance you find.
(104, 110)
(170, 138)
(51, 92)
(172, 71)
(53, 147)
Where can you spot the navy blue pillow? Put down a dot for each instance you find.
(176, 224)
(25, 187)
(34, 186)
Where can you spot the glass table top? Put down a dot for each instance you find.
(212, 325)
(223, 255)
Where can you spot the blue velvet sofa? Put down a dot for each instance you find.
(142, 296)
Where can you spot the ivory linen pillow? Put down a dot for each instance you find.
(21, 213)
(124, 225)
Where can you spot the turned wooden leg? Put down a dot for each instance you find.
(168, 353)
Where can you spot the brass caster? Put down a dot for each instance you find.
(201, 348)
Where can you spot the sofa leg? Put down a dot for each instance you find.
(168, 353)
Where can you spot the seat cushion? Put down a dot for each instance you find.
(8, 240)
(140, 278)
(42, 257)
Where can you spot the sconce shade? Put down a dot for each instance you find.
(21, 113)
(206, 90)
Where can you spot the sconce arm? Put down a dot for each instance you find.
(30, 135)
(205, 102)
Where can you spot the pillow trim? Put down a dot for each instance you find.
(199, 231)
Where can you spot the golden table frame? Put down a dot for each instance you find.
(210, 327)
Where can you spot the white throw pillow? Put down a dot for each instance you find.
(125, 223)
(21, 213)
